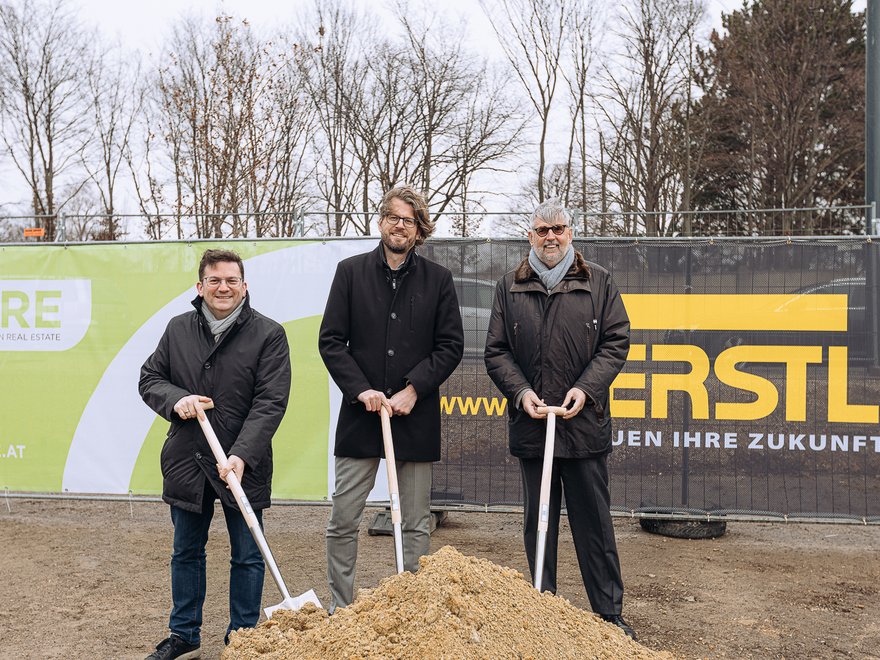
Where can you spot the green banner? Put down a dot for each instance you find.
(77, 322)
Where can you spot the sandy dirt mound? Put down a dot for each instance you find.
(454, 607)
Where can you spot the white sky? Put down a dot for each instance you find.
(144, 24)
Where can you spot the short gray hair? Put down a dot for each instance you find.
(550, 211)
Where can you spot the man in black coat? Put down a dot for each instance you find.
(558, 336)
(391, 335)
(225, 352)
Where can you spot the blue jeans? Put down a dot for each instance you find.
(246, 570)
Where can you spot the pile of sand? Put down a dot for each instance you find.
(454, 607)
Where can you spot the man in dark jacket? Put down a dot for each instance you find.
(558, 336)
(225, 352)
(390, 336)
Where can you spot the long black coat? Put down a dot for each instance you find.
(575, 336)
(383, 337)
(247, 374)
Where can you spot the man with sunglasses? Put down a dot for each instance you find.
(226, 352)
(558, 336)
(390, 336)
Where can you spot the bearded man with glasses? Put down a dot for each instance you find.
(227, 353)
(390, 336)
(558, 336)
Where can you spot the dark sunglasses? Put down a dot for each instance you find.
(558, 230)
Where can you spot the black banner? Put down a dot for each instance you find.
(752, 385)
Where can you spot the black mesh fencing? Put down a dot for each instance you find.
(756, 398)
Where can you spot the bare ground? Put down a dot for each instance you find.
(86, 579)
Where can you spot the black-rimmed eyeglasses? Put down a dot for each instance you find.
(409, 223)
(558, 230)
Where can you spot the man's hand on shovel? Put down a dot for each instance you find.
(574, 402)
(233, 464)
(198, 405)
(403, 402)
(531, 402)
(374, 400)
(192, 405)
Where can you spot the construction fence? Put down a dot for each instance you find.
(300, 223)
(751, 390)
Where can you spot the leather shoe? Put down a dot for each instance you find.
(618, 621)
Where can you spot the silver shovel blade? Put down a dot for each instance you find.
(294, 603)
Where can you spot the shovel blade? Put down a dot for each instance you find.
(294, 603)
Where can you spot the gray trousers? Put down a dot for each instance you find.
(355, 478)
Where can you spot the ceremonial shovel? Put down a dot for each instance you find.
(393, 490)
(544, 502)
(289, 602)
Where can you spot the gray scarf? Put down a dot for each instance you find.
(218, 326)
(551, 276)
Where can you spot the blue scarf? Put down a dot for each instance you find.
(551, 276)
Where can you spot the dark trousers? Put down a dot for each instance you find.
(585, 483)
(188, 561)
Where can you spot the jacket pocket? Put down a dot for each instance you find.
(164, 461)
(590, 435)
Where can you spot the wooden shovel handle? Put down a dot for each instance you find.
(546, 410)
(391, 464)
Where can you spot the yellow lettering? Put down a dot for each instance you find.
(494, 406)
(692, 383)
(795, 359)
(839, 410)
(471, 406)
(447, 405)
(629, 381)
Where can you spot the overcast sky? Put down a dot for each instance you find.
(144, 24)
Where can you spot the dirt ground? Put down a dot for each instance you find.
(86, 579)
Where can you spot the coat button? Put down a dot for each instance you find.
(393, 315)
(207, 365)
(390, 352)
(389, 391)
(198, 455)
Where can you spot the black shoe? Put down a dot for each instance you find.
(618, 621)
(175, 647)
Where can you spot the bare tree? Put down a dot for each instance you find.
(642, 89)
(230, 124)
(582, 51)
(116, 99)
(43, 54)
(533, 35)
(335, 37)
(463, 120)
